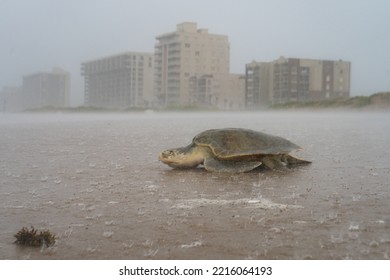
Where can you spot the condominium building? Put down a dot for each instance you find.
(221, 91)
(185, 53)
(295, 79)
(119, 81)
(46, 89)
(310, 80)
(258, 84)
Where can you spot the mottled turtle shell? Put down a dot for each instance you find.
(239, 142)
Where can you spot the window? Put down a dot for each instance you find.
(187, 45)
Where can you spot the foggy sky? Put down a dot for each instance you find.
(41, 34)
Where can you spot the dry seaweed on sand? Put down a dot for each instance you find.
(34, 238)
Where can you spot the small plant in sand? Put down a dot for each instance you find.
(31, 237)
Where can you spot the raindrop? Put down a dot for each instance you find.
(108, 234)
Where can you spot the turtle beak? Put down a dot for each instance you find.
(162, 156)
(166, 156)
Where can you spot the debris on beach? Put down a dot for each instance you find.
(32, 238)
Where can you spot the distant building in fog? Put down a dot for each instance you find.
(294, 79)
(11, 99)
(222, 91)
(46, 89)
(188, 53)
(258, 89)
(308, 79)
(119, 81)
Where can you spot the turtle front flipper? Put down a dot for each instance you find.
(232, 166)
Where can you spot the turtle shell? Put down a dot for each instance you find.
(239, 142)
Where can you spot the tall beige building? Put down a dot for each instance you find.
(119, 81)
(46, 89)
(294, 79)
(185, 53)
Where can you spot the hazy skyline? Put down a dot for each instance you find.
(41, 34)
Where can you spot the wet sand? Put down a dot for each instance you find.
(95, 181)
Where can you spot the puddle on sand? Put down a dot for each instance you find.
(243, 202)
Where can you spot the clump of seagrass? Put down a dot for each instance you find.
(32, 238)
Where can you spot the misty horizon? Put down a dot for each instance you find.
(41, 35)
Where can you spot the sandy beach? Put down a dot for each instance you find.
(95, 181)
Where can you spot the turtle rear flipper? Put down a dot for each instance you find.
(282, 163)
(290, 160)
(232, 166)
(274, 163)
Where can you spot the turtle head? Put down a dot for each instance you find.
(185, 157)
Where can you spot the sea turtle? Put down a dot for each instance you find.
(233, 150)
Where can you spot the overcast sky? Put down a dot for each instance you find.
(37, 35)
